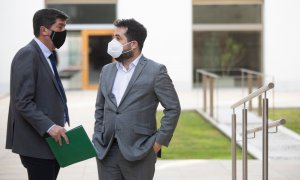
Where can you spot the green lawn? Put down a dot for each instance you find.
(195, 138)
(292, 117)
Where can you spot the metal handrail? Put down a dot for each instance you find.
(206, 73)
(251, 72)
(260, 78)
(208, 82)
(270, 125)
(253, 95)
(264, 128)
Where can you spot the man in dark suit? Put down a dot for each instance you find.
(38, 105)
(126, 135)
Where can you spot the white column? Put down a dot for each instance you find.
(282, 42)
(16, 31)
(169, 41)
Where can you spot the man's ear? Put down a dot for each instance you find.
(44, 31)
(135, 45)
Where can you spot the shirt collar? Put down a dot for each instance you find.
(45, 50)
(131, 65)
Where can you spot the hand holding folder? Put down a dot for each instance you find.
(79, 148)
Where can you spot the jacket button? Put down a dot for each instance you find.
(117, 112)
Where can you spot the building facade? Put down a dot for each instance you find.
(219, 36)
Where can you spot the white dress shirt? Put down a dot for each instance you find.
(122, 78)
(46, 52)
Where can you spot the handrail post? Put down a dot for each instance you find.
(259, 107)
(197, 77)
(204, 79)
(265, 138)
(250, 85)
(233, 145)
(208, 82)
(211, 97)
(244, 141)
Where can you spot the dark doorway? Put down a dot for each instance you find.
(94, 48)
(98, 56)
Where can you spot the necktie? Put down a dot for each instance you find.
(60, 86)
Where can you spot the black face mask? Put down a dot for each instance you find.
(58, 38)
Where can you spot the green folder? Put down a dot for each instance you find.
(79, 148)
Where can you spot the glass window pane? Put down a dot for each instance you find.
(74, 47)
(88, 13)
(213, 14)
(70, 53)
(224, 52)
(69, 58)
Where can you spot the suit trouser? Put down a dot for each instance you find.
(40, 169)
(115, 167)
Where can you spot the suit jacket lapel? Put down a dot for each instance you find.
(138, 69)
(46, 65)
(111, 80)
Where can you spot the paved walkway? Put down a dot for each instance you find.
(81, 106)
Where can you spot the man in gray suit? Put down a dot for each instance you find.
(37, 99)
(126, 135)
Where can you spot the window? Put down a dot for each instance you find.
(84, 56)
(223, 51)
(227, 36)
(219, 14)
(88, 13)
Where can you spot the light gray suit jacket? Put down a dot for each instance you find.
(133, 122)
(35, 103)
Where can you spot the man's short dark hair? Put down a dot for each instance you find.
(46, 17)
(135, 30)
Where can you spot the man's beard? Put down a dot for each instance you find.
(125, 56)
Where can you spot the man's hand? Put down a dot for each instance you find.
(156, 147)
(57, 132)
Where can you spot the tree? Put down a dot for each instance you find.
(231, 54)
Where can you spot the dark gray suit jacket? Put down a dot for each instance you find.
(35, 103)
(133, 122)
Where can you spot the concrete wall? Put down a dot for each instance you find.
(15, 32)
(169, 41)
(282, 43)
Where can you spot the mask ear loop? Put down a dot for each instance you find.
(53, 34)
(128, 50)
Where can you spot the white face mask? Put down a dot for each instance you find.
(115, 48)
